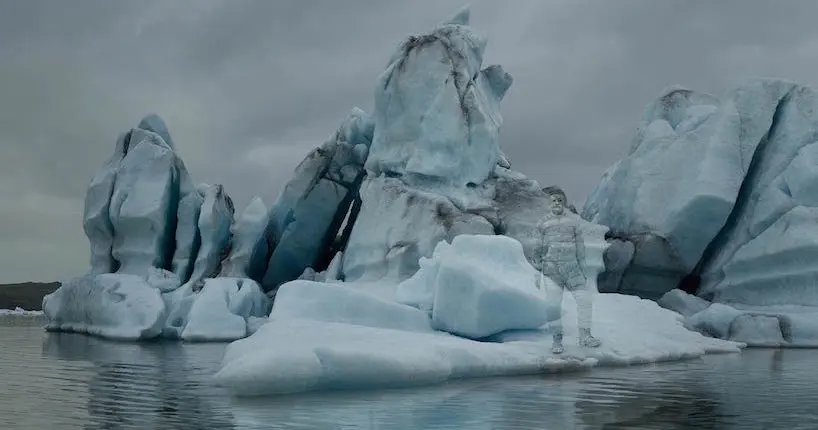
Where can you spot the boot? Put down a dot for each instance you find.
(556, 347)
(586, 340)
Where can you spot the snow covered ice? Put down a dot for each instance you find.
(332, 336)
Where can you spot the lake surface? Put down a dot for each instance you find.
(53, 381)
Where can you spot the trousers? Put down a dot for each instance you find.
(571, 278)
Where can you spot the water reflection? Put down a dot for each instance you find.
(628, 401)
(73, 381)
(146, 385)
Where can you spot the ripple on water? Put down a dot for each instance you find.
(72, 381)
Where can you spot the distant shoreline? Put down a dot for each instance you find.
(26, 295)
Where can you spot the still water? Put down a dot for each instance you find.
(52, 381)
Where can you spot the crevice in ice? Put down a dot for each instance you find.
(344, 212)
(743, 199)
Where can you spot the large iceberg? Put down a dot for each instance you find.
(718, 199)
(155, 241)
(341, 335)
(435, 169)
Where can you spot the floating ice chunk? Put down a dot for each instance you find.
(114, 306)
(294, 355)
(758, 330)
(20, 312)
(338, 303)
(715, 320)
(683, 303)
(220, 310)
(484, 286)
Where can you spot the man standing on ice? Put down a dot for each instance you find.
(560, 255)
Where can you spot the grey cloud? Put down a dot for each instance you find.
(249, 87)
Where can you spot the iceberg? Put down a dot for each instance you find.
(155, 241)
(717, 198)
(332, 336)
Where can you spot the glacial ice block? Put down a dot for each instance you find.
(479, 286)
(305, 219)
(143, 204)
(220, 311)
(113, 306)
(706, 183)
(436, 114)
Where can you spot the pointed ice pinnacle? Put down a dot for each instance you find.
(461, 17)
(155, 124)
(499, 81)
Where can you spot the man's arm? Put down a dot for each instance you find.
(579, 239)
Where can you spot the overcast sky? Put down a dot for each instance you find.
(249, 87)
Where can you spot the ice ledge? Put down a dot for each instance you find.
(289, 355)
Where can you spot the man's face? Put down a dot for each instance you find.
(557, 204)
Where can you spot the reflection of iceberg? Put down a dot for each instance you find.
(146, 385)
(622, 397)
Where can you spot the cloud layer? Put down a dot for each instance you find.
(249, 87)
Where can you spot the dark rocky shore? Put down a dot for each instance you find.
(26, 295)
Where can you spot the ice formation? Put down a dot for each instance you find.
(306, 218)
(437, 113)
(341, 335)
(155, 240)
(476, 287)
(765, 325)
(718, 198)
(116, 306)
(409, 231)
